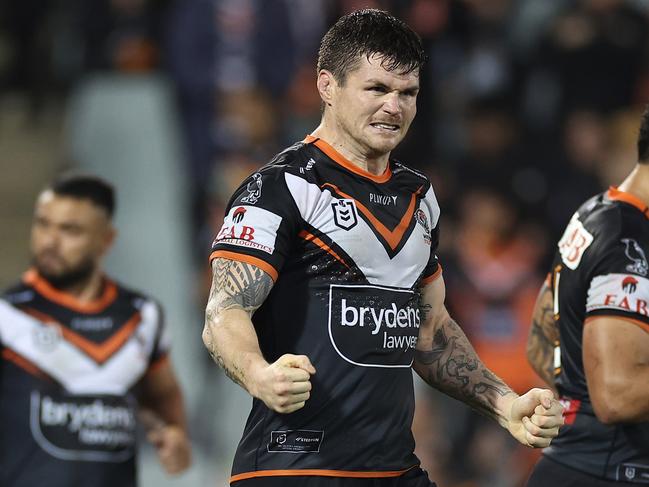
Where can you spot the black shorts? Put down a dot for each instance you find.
(550, 473)
(413, 478)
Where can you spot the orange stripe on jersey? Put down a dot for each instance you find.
(248, 259)
(617, 195)
(310, 237)
(99, 352)
(641, 324)
(337, 157)
(433, 277)
(392, 237)
(23, 363)
(319, 473)
(32, 278)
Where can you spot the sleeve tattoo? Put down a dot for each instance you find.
(235, 285)
(452, 366)
(543, 337)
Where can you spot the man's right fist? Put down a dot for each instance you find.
(284, 385)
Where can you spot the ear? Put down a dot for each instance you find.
(109, 238)
(326, 86)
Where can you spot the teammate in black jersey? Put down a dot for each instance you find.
(78, 353)
(327, 291)
(590, 338)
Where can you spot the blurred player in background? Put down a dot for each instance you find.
(80, 353)
(594, 306)
(326, 261)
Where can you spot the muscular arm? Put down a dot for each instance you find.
(446, 360)
(163, 416)
(238, 290)
(160, 392)
(543, 337)
(616, 362)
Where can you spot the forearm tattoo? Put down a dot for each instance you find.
(543, 337)
(452, 366)
(235, 285)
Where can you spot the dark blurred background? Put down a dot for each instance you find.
(527, 107)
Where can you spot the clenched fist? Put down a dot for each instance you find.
(284, 386)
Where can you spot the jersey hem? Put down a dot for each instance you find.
(321, 473)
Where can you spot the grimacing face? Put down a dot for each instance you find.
(68, 237)
(374, 107)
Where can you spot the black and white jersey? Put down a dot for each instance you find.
(347, 251)
(67, 374)
(600, 269)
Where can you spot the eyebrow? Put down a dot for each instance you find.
(373, 81)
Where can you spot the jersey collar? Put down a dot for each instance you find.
(338, 158)
(615, 194)
(34, 279)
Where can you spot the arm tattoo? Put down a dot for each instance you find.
(235, 285)
(452, 366)
(238, 285)
(543, 337)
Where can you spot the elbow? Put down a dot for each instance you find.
(611, 405)
(608, 412)
(207, 337)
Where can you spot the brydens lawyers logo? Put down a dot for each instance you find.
(373, 326)
(629, 284)
(345, 215)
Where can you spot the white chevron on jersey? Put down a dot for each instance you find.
(360, 242)
(44, 346)
(620, 292)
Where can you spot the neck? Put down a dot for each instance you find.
(637, 183)
(351, 149)
(85, 290)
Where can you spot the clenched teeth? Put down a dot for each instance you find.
(386, 126)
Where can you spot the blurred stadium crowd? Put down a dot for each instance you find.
(527, 107)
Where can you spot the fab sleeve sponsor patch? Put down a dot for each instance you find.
(249, 227)
(626, 293)
(574, 242)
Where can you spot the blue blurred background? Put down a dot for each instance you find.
(527, 107)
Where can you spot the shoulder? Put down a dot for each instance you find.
(18, 293)
(272, 176)
(138, 299)
(605, 232)
(289, 160)
(609, 221)
(401, 170)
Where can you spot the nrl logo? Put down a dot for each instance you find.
(637, 256)
(345, 213)
(254, 190)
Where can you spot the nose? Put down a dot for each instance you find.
(391, 105)
(48, 239)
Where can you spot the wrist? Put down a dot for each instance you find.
(503, 408)
(254, 375)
